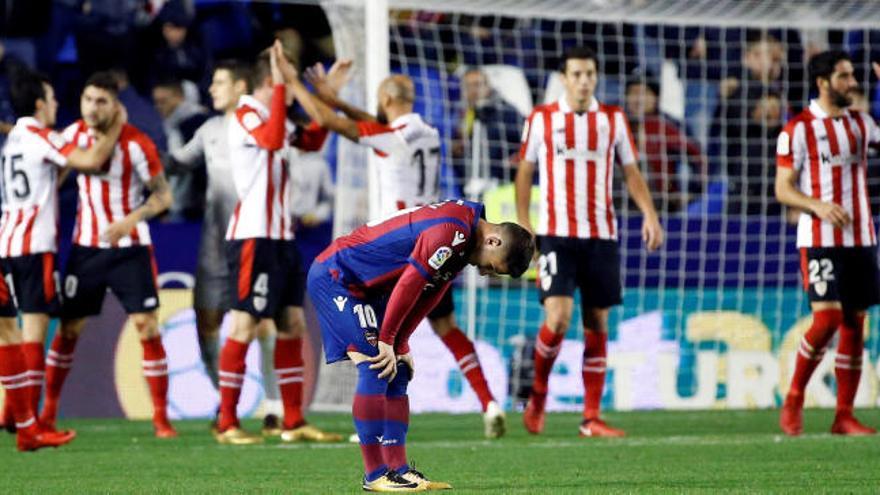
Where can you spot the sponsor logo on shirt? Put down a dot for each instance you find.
(340, 302)
(439, 257)
(372, 337)
(458, 239)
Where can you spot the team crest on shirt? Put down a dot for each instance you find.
(439, 257)
(372, 337)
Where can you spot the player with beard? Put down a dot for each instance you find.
(821, 171)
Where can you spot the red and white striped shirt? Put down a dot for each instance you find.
(30, 160)
(116, 191)
(261, 171)
(575, 153)
(830, 155)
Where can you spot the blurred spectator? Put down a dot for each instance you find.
(676, 168)
(141, 112)
(500, 125)
(312, 189)
(754, 176)
(180, 120)
(105, 32)
(733, 122)
(9, 68)
(179, 55)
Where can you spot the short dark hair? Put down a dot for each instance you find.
(170, 82)
(106, 80)
(520, 249)
(577, 53)
(262, 69)
(822, 65)
(26, 89)
(238, 70)
(647, 81)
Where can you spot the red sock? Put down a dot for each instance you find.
(463, 350)
(546, 349)
(848, 365)
(289, 373)
(593, 373)
(14, 378)
(812, 348)
(231, 379)
(156, 373)
(58, 363)
(368, 411)
(35, 362)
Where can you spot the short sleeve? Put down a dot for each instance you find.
(624, 146)
(55, 149)
(533, 129)
(144, 157)
(382, 138)
(790, 146)
(871, 129)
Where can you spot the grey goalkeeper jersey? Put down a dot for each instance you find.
(210, 145)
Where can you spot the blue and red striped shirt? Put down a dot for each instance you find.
(413, 255)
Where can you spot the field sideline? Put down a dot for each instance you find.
(664, 452)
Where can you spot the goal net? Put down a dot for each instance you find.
(711, 320)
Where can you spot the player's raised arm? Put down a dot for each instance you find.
(323, 115)
(328, 84)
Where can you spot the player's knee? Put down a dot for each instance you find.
(558, 321)
(398, 386)
(146, 324)
(8, 331)
(71, 329)
(369, 382)
(443, 325)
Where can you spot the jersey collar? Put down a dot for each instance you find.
(564, 107)
(816, 110)
(29, 122)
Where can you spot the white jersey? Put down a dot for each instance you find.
(30, 161)
(831, 157)
(261, 174)
(575, 153)
(409, 168)
(117, 190)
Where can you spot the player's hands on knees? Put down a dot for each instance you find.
(408, 360)
(833, 213)
(652, 233)
(385, 361)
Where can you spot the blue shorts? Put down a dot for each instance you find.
(348, 323)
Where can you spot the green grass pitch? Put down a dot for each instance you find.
(710, 452)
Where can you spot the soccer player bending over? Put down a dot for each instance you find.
(575, 143)
(821, 171)
(33, 158)
(372, 288)
(409, 174)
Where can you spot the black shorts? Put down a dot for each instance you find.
(591, 265)
(845, 274)
(266, 275)
(130, 272)
(34, 281)
(444, 308)
(7, 305)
